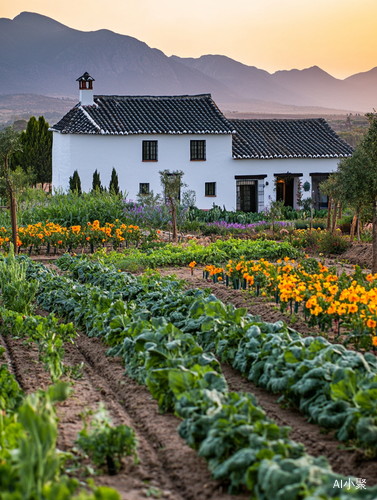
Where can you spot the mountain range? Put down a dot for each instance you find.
(39, 55)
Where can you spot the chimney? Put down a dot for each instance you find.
(86, 89)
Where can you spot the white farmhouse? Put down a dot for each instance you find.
(242, 164)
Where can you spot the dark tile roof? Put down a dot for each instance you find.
(123, 115)
(268, 139)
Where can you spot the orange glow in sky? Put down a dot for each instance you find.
(337, 35)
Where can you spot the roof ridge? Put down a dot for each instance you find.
(319, 119)
(154, 97)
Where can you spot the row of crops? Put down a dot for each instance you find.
(219, 252)
(167, 338)
(31, 466)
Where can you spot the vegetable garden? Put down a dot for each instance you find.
(109, 374)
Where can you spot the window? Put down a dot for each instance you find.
(210, 189)
(149, 150)
(197, 150)
(144, 188)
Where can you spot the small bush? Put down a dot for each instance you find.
(319, 225)
(301, 224)
(332, 243)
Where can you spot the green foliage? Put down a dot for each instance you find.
(305, 224)
(28, 456)
(48, 333)
(155, 333)
(36, 156)
(96, 184)
(74, 210)
(10, 392)
(17, 293)
(332, 243)
(218, 214)
(114, 182)
(218, 253)
(105, 443)
(75, 183)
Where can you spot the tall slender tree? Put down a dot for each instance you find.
(10, 144)
(36, 155)
(96, 184)
(75, 183)
(114, 183)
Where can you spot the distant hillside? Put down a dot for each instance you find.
(41, 56)
(15, 106)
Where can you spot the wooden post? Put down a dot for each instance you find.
(353, 227)
(334, 217)
(329, 206)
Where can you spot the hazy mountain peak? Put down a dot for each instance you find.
(38, 21)
(42, 56)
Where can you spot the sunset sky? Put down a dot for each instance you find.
(337, 35)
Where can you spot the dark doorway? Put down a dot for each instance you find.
(284, 190)
(320, 200)
(248, 198)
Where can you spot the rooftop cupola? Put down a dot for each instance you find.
(86, 89)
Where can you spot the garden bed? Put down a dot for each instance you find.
(168, 468)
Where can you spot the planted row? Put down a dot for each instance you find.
(240, 444)
(334, 386)
(219, 252)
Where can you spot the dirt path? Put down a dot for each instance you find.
(168, 468)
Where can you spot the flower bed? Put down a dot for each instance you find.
(327, 300)
(56, 236)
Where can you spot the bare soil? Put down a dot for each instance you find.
(360, 254)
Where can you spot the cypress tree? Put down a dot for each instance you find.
(75, 183)
(96, 182)
(114, 183)
(36, 155)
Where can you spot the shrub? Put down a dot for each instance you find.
(332, 243)
(301, 224)
(319, 225)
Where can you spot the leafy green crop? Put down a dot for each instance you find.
(105, 443)
(10, 392)
(158, 330)
(17, 294)
(215, 253)
(47, 333)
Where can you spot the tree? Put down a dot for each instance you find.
(10, 144)
(36, 155)
(172, 184)
(332, 188)
(114, 184)
(96, 185)
(358, 179)
(75, 183)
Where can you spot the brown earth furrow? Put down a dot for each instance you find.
(187, 471)
(133, 482)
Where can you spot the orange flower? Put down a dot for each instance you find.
(372, 324)
(375, 341)
(60, 242)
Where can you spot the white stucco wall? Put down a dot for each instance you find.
(86, 153)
